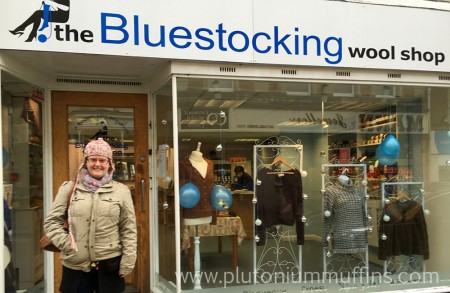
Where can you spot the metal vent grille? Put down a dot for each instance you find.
(394, 75)
(288, 71)
(444, 77)
(93, 80)
(227, 69)
(343, 73)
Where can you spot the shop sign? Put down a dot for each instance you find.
(241, 31)
(203, 119)
(328, 120)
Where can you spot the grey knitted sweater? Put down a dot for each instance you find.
(344, 218)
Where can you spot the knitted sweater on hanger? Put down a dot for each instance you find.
(280, 202)
(405, 231)
(347, 222)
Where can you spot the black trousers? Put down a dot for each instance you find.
(104, 278)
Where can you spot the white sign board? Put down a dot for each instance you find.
(291, 32)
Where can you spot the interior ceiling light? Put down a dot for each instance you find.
(220, 86)
(344, 90)
(296, 123)
(247, 139)
(386, 92)
(219, 103)
(298, 89)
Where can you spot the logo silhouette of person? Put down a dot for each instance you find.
(56, 11)
(102, 131)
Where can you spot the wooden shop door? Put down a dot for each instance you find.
(121, 119)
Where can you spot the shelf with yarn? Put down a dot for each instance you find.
(360, 147)
(383, 126)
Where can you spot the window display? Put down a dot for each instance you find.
(258, 125)
(346, 229)
(403, 230)
(199, 171)
(403, 234)
(345, 219)
(279, 200)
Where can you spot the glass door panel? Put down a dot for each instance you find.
(115, 126)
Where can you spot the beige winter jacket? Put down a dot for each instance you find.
(103, 224)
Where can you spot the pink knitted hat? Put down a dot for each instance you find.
(98, 147)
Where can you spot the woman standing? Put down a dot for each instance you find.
(99, 248)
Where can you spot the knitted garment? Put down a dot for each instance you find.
(98, 147)
(346, 223)
(280, 202)
(204, 208)
(402, 230)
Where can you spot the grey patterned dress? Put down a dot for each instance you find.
(345, 219)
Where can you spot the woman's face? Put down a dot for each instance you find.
(97, 166)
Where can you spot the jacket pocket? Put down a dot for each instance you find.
(78, 206)
(110, 265)
(108, 207)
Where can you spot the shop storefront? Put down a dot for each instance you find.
(267, 150)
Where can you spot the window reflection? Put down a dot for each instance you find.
(23, 184)
(116, 126)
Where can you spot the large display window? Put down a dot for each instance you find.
(277, 185)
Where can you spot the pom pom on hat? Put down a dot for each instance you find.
(98, 147)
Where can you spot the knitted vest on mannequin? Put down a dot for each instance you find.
(197, 161)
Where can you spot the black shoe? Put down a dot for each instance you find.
(15, 32)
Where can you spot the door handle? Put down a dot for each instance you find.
(142, 195)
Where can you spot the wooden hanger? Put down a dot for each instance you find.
(280, 159)
(403, 195)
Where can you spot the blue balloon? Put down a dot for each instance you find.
(390, 147)
(383, 159)
(387, 162)
(189, 195)
(221, 198)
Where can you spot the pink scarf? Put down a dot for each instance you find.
(91, 183)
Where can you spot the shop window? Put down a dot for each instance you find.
(23, 184)
(384, 140)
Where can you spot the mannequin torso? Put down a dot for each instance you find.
(197, 161)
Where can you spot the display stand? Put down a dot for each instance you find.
(279, 255)
(403, 263)
(356, 263)
(197, 273)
